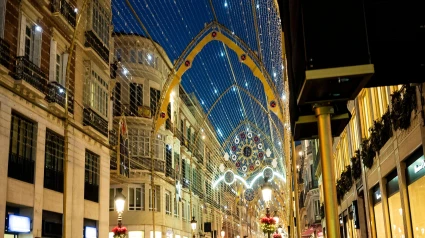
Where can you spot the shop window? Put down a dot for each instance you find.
(378, 211)
(416, 189)
(394, 205)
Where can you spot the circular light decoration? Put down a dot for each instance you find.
(268, 173)
(247, 152)
(162, 114)
(187, 63)
(214, 34)
(229, 177)
(249, 194)
(243, 57)
(273, 104)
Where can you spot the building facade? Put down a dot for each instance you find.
(186, 155)
(378, 164)
(35, 38)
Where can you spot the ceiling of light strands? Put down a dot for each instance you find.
(225, 87)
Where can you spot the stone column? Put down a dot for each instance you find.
(5, 120)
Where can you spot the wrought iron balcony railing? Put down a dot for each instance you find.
(94, 42)
(5, 55)
(91, 118)
(31, 73)
(56, 93)
(66, 10)
(170, 172)
(140, 163)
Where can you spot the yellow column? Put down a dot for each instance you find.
(402, 183)
(323, 114)
(371, 213)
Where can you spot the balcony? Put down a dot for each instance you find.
(21, 168)
(29, 79)
(92, 119)
(140, 163)
(169, 125)
(5, 56)
(185, 183)
(63, 12)
(92, 41)
(53, 179)
(130, 110)
(56, 98)
(199, 156)
(170, 172)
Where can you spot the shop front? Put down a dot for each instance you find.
(394, 205)
(415, 177)
(378, 211)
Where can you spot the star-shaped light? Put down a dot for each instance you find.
(274, 163)
(222, 167)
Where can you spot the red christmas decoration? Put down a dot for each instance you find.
(213, 34)
(243, 57)
(120, 232)
(277, 235)
(187, 63)
(273, 104)
(162, 114)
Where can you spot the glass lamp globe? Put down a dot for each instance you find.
(193, 223)
(119, 202)
(267, 192)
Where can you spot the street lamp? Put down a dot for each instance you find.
(119, 205)
(238, 236)
(266, 190)
(193, 224)
(222, 233)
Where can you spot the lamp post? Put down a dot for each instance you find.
(266, 190)
(279, 229)
(119, 205)
(193, 224)
(222, 233)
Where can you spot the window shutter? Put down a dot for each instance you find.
(21, 49)
(37, 47)
(52, 68)
(64, 65)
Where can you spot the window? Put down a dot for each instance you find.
(156, 202)
(139, 142)
(140, 56)
(91, 188)
(159, 146)
(184, 210)
(53, 165)
(136, 97)
(317, 207)
(58, 62)
(112, 193)
(100, 21)
(118, 54)
(133, 56)
(155, 95)
(96, 94)
(136, 198)
(176, 206)
(30, 40)
(22, 149)
(168, 202)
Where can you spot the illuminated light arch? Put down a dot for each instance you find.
(246, 56)
(245, 183)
